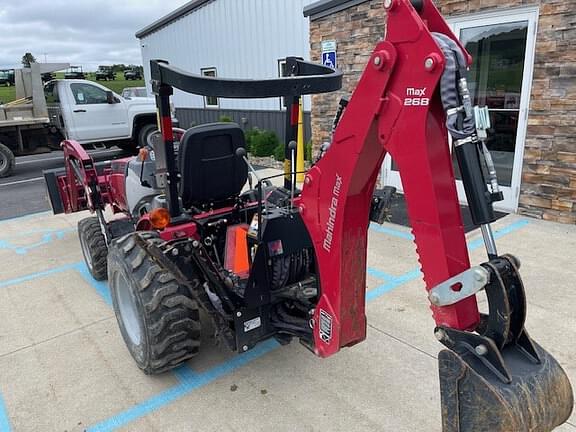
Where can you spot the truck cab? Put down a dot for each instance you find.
(89, 112)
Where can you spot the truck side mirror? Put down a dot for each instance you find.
(110, 97)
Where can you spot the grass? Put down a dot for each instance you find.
(8, 94)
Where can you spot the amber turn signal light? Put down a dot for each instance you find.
(143, 154)
(160, 218)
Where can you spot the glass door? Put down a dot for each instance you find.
(500, 78)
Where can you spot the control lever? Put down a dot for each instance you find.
(292, 147)
(241, 152)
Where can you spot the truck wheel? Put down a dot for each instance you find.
(7, 161)
(158, 318)
(145, 135)
(94, 247)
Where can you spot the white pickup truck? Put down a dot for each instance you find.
(81, 110)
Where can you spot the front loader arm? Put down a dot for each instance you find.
(493, 377)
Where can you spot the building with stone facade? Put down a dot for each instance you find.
(524, 71)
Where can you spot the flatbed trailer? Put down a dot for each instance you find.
(25, 124)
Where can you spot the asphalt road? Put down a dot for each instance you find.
(25, 193)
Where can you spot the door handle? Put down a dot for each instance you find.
(80, 110)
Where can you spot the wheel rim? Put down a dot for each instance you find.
(128, 309)
(85, 252)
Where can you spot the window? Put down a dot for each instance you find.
(134, 92)
(51, 93)
(87, 94)
(502, 44)
(281, 73)
(210, 101)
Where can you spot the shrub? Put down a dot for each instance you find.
(279, 153)
(249, 135)
(264, 143)
(225, 119)
(308, 151)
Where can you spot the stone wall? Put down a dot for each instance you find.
(356, 31)
(548, 188)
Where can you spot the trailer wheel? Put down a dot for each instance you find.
(145, 135)
(158, 318)
(94, 247)
(7, 161)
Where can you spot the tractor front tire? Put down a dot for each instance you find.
(7, 161)
(158, 318)
(94, 247)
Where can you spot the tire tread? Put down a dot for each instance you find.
(171, 315)
(89, 228)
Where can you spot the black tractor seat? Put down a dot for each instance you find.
(209, 167)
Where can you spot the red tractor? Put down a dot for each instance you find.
(276, 262)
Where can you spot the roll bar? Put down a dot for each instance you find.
(304, 78)
(301, 78)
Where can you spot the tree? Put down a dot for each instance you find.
(27, 59)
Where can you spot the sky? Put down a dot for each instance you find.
(80, 32)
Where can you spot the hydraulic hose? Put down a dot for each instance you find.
(461, 125)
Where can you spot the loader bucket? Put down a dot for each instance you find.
(528, 396)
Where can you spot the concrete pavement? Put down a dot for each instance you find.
(64, 366)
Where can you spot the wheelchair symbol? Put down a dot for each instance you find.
(329, 59)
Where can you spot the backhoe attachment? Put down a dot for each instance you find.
(413, 92)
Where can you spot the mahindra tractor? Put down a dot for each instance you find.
(196, 228)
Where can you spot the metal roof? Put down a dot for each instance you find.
(171, 17)
(324, 8)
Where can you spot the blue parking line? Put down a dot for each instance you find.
(49, 235)
(380, 274)
(4, 422)
(188, 382)
(101, 287)
(514, 226)
(384, 288)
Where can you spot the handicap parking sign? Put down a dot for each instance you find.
(329, 59)
(329, 53)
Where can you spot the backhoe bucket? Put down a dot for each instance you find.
(524, 395)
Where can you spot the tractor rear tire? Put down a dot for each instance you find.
(94, 247)
(7, 161)
(158, 318)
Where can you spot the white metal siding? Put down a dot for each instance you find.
(240, 38)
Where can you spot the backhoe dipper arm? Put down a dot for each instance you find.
(493, 377)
